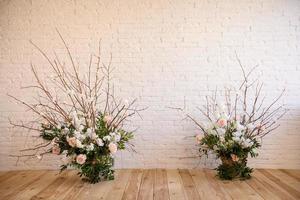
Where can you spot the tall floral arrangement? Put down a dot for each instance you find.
(234, 129)
(79, 116)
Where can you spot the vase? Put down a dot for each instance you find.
(98, 169)
(232, 169)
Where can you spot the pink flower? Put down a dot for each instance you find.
(199, 138)
(56, 149)
(71, 141)
(108, 119)
(81, 158)
(222, 122)
(112, 148)
(234, 158)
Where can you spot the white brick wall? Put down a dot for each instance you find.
(166, 52)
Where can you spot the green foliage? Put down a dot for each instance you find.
(99, 161)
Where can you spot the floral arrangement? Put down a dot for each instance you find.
(235, 128)
(230, 139)
(79, 117)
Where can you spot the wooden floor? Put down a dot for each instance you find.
(150, 184)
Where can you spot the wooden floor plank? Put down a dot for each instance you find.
(63, 190)
(190, 189)
(119, 186)
(207, 189)
(47, 192)
(246, 191)
(150, 184)
(261, 188)
(38, 186)
(287, 179)
(19, 183)
(281, 183)
(35, 186)
(75, 190)
(292, 173)
(146, 188)
(133, 186)
(99, 190)
(176, 190)
(8, 175)
(218, 185)
(270, 185)
(161, 191)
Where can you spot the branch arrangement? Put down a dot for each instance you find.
(78, 116)
(234, 129)
(251, 111)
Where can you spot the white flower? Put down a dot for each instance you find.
(248, 143)
(58, 126)
(212, 132)
(90, 147)
(99, 142)
(117, 138)
(240, 127)
(236, 139)
(79, 136)
(254, 150)
(65, 131)
(221, 131)
(88, 131)
(222, 139)
(81, 127)
(112, 148)
(91, 133)
(79, 144)
(107, 138)
(112, 134)
(76, 122)
(238, 134)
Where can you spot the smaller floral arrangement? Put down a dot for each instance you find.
(235, 128)
(231, 141)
